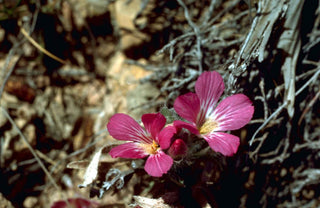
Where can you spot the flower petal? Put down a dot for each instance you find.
(191, 127)
(233, 112)
(187, 106)
(153, 122)
(128, 150)
(226, 144)
(75, 202)
(158, 164)
(209, 87)
(165, 136)
(123, 127)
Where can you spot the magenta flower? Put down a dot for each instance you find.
(75, 203)
(207, 119)
(150, 141)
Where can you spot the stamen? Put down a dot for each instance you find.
(151, 148)
(208, 126)
(155, 146)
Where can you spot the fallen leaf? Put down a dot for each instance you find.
(92, 169)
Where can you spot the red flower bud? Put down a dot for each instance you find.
(178, 148)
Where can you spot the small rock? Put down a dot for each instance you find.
(4, 202)
(30, 202)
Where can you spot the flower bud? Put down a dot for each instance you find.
(178, 149)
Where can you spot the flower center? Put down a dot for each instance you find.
(208, 126)
(151, 148)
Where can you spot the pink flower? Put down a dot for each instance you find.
(75, 203)
(150, 141)
(207, 119)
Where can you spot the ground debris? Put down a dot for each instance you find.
(136, 57)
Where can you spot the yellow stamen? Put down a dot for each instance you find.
(151, 148)
(208, 126)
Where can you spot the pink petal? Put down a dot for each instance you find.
(75, 202)
(187, 106)
(158, 164)
(123, 127)
(165, 136)
(209, 87)
(226, 144)
(191, 127)
(233, 112)
(128, 150)
(153, 122)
